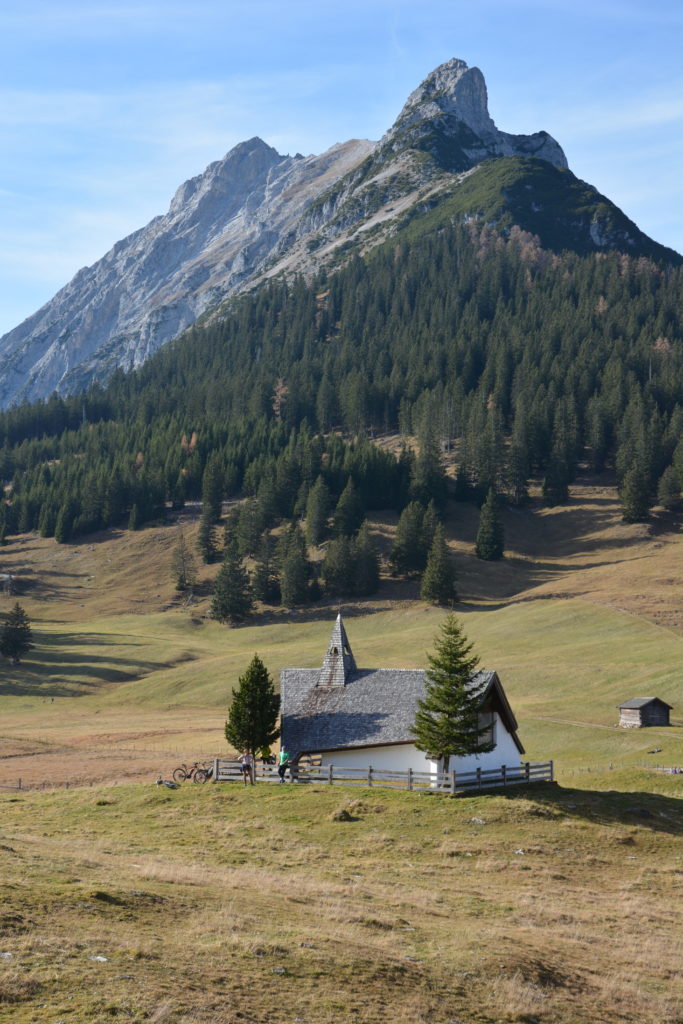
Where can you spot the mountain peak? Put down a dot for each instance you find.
(448, 116)
(453, 89)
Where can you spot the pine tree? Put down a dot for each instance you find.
(16, 638)
(183, 568)
(407, 553)
(232, 598)
(447, 722)
(438, 581)
(490, 543)
(252, 718)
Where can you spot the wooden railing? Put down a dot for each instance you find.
(453, 782)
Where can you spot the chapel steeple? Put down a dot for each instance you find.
(339, 662)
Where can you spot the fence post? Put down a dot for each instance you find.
(453, 782)
(552, 771)
(410, 778)
(478, 778)
(503, 772)
(526, 770)
(369, 775)
(215, 769)
(19, 786)
(330, 771)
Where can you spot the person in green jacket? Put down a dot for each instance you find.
(283, 764)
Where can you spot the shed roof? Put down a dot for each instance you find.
(641, 702)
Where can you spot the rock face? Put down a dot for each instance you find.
(250, 215)
(452, 104)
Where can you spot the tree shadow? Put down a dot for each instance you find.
(629, 809)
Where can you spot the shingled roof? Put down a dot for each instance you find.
(341, 707)
(641, 702)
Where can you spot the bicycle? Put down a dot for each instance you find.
(185, 773)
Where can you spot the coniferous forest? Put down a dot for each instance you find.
(521, 360)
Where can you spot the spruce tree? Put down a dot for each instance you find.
(16, 638)
(183, 568)
(252, 718)
(438, 581)
(635, 495)
(337, 568)
(265, 582)
(232, 598)
(407, 553)
(349, 513)
(668, 490)
(206, 537)
(294, 571)
(490, 543)
(317, 511)
(447, 722)
(365, 560)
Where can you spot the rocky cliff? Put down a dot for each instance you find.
(256, 213)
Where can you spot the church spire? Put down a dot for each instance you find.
(339, 662)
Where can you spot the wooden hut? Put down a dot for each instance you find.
(643, 711)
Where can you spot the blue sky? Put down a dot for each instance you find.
(106, 107)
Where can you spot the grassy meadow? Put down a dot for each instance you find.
(553, 905)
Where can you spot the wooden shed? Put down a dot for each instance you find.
(642, 711)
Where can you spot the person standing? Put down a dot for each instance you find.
(284, 763)
(246, 760)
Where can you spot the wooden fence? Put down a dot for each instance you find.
(452, 782)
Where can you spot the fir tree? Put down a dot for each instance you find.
(448, 721)
(490, 543)
(438, 581)
(252, 718)
(16, 638)
(232, 598)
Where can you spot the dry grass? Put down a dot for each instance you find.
(218, 905)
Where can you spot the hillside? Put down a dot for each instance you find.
(584, 612)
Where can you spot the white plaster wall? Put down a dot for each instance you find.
(402, 756)
(504, 753)
(399, 757)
